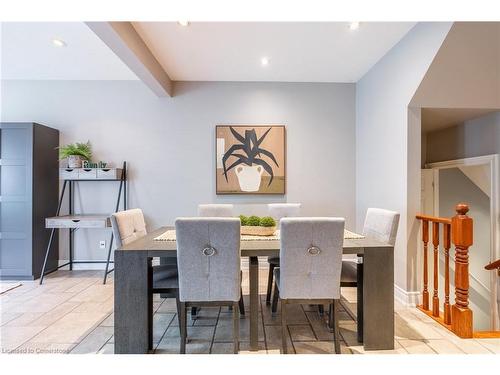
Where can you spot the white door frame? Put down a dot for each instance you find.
(492, 162)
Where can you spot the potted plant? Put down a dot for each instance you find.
(75, 153)
(250, 163)
(258, 226)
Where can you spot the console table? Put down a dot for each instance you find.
(73, 221)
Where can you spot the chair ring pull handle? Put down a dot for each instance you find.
(314, 250)
(208, 251)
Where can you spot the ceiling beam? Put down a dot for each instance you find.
(125, 42)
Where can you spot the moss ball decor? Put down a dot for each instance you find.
(244, 220)
(267, 221)
(253, 221)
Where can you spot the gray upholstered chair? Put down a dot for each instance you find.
(218, 210)
(129, 226)
(381, 225)
(208, 258)
(278, 211)
(310, 266)
(215, 210)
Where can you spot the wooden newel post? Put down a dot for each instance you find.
(461, 229)
(425, 239)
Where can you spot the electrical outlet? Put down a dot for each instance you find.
(102, 244)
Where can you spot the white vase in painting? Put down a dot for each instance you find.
(249, 177)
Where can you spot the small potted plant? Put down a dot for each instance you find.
(258, 226)
(75, 153)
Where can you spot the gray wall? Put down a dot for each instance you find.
(169, 142)
(476, 137)
(387, 150)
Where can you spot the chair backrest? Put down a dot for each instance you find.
(128, 226)
(215, 210)
(208, 259)
(281, 210)
(381, 225)
(311, 257)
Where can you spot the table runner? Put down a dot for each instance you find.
(169, 235)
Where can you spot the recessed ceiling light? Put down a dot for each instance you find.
(59, 42)
(264, 61)
(354, 25)
(183, 23)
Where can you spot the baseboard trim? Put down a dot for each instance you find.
(408, 299)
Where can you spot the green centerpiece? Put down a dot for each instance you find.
(258, 226)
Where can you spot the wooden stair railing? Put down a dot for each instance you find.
(493, 266)
(458, 229)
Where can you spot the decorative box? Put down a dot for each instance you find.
(109, 173)
(87, 174)
(68, 173)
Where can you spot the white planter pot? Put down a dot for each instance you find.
(249, 177)
(74, 161)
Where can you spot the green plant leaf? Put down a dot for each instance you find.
(76, 149)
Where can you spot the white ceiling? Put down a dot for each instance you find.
(298, 51)
(217, 51)
(27, 53)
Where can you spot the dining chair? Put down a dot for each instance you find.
(381, 225)
(310, 266)
(278, 211)
(215, 210)
(218, 210)
(129, 226)
(208, 258)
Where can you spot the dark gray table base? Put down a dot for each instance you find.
(133, 287)
(132, 290)
(378, 299)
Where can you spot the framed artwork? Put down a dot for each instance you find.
(250, 159)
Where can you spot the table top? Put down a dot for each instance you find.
(150, 247)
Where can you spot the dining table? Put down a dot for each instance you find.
(132, 286)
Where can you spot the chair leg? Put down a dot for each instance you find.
(336, 326)
(183, 328)
(236, 328)
(241, 303)
(274, 306)
(194, 312)
(283, 327)
(331, 317)
(270, 279)
(321, 309)
(150, 321)
(179, 309)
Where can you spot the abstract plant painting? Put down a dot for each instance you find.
(250, 159)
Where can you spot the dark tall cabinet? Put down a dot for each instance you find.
(29, 186)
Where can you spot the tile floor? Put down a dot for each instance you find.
(73, 313)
